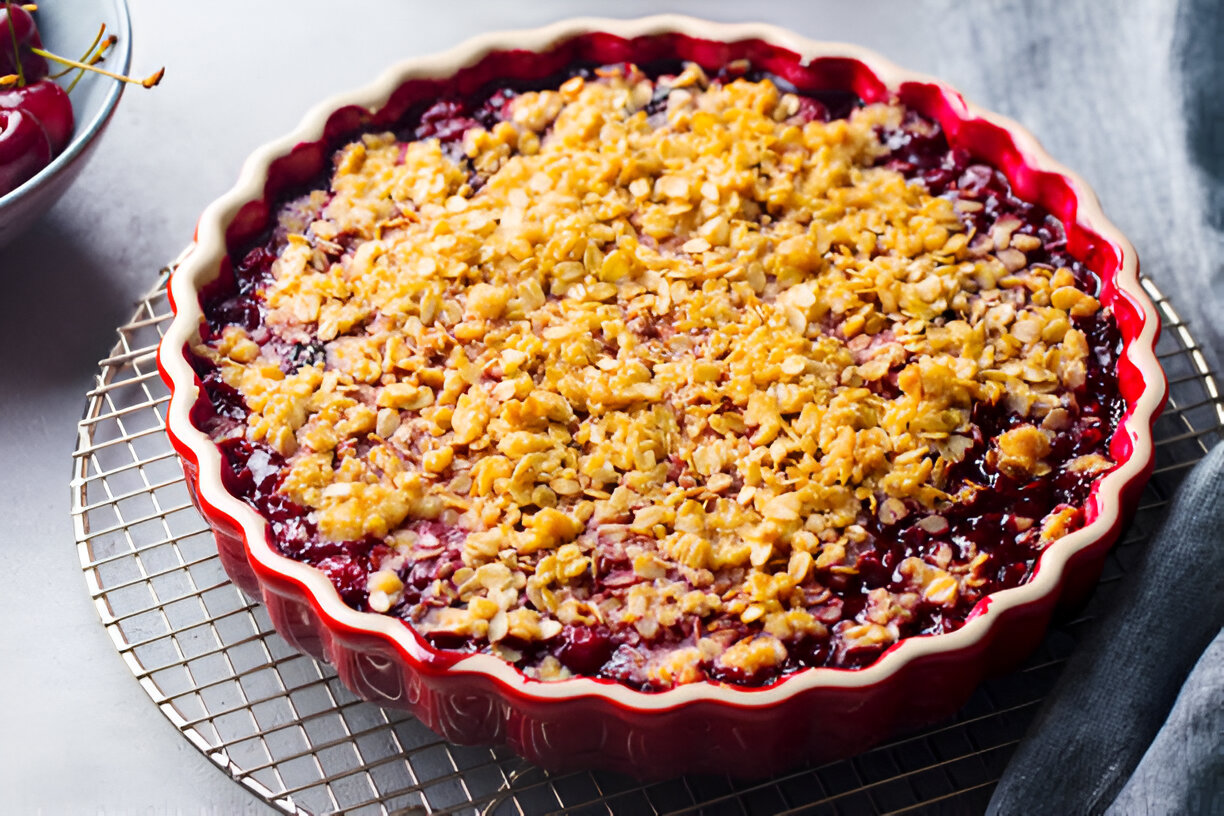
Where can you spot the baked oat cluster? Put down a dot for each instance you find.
(655, 377)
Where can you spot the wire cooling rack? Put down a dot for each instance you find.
(282, 724)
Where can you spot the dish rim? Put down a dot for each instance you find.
(1046, 582)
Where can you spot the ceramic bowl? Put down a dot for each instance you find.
(67, 28)
(815, 714)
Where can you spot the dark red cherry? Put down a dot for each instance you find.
(584, 649)
(349, 576)
(49, 104)
(24, 148)
(17, 26)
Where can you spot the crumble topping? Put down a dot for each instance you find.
(664, 357)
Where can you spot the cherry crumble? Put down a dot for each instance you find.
(661, 377)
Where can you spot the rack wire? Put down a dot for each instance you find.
(282, 724)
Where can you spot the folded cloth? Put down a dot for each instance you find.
(1118, 688)
(1183, 770)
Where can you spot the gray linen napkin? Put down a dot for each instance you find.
(1118, 689)
(1183, 770)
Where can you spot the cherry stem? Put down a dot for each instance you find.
(147, 82)
(88, 56)
(102, 49)
(8, 10)
(94, 60)
(91, 57)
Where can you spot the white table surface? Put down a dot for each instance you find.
(77, 734)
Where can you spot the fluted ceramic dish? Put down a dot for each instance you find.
(814, 714)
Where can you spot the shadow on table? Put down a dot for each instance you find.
(58, 313)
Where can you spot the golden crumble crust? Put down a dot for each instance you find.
(718, 340)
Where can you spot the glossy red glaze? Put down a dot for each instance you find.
(816, 714)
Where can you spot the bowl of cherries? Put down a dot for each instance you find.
(63, 66)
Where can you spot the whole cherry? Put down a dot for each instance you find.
(48, 103)
(18, 37)
(583, 649)
(24, 148)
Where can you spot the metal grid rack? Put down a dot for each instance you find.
(282, 725)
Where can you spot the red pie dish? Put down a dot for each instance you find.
(619, 387)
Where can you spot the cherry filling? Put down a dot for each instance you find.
(1001, 521)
